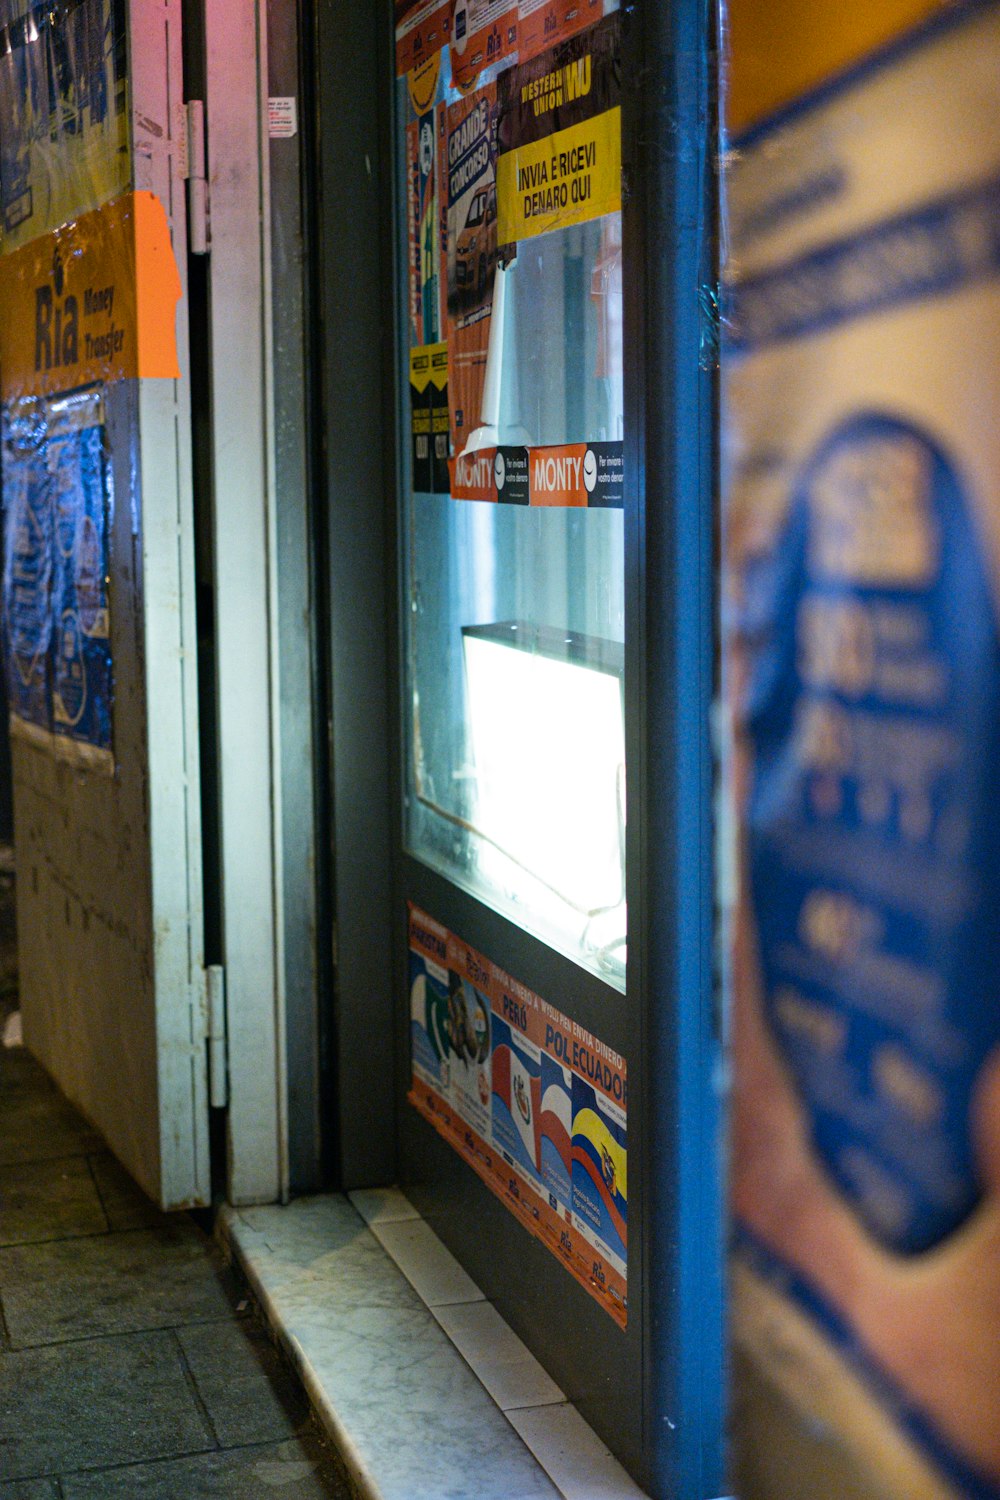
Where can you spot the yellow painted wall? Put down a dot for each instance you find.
(778, 49)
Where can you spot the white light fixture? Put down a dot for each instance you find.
(548, 742)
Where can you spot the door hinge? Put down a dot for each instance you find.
(199, 228)
(218, 1057)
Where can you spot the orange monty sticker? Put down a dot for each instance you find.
(557, 475)
(95, 300)
(472, 475)
(582, 474)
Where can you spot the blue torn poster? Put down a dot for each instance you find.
(57, 497)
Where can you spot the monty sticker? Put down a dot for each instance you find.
(573, 474)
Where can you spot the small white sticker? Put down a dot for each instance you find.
(282, 118)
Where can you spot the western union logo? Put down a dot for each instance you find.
(562, 85)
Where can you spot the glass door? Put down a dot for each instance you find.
(514, 614)
(557, 1030)
(515, 1133)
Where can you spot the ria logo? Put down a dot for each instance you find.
(57, 321)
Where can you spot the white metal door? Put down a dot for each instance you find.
(109, 840)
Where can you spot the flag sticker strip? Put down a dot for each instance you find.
(530, 1099)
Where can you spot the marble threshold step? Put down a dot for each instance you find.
(426, 1391)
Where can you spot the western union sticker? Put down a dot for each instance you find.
(563, 179)
(559, 158)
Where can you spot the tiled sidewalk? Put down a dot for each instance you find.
(131, 1365)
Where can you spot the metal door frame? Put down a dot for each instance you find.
(671, 156)
(677, 1359)
(669, 153)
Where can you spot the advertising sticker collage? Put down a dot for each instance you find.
(513, 130)
(533, 1102)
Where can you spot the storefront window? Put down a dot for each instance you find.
(512, 533)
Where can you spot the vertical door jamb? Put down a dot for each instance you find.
(163, 447)
(239, 333)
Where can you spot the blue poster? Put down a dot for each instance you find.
(600, 1184)
(557, 1130)
(57, 503)
(81, 648)
(27, 497)
(429, 1031)
(874, 713)
(517, 1100)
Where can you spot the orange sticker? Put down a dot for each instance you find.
(557, 476)
(95, 300)
(158, 284)
(546, 23)
(422, 28)
(472, 475)
(483, 35)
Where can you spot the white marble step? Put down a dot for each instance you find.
(428, 1394)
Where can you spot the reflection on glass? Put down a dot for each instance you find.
(561, 331)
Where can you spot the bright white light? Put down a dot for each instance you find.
(549, 747)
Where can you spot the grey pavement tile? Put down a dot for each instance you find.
(37, 1122)
(103, 1401)
(28, 1489)
(426, 1263)
(320, 1245)
(49, 1200)
(22, 1073)
(116, 1283)
(382, 1205)
(125, 1204)
(34, 1130)
(249, 1392)
(573, 1455)
(302, 1469)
